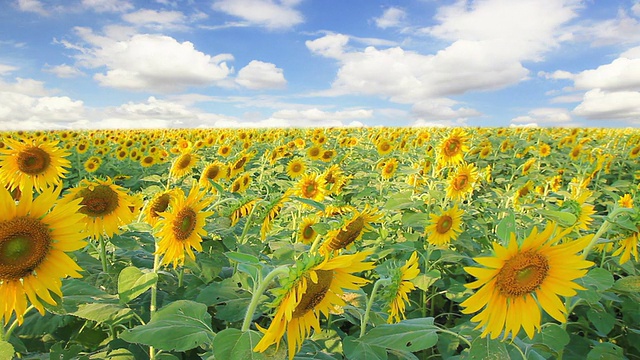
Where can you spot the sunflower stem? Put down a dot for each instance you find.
(255, 298)
(154, 297)
(445, 331)
(315, 244)
(103, 254)
(13, 326)
(606, 225)
(367, 312)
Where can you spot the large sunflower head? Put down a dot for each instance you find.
(182, 226)
(517, 280)
(35, 235)
(315, 285)
(453, 147)
(105, 206)
(311, 186)
(37, 165)
(352, 230)
(462, 181)
(445, 227)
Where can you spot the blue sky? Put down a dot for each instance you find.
(75, 64)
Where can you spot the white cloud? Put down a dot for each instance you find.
(544, 117)
(63, 71)
(268, 13)
(621, 74)
(5, 69)
(599, 104)
(330, 45)
(259, 75)
(624, 29)
(636, 8)
(153, 63)
(392, 17)
(442, 109)
(557, 75)
(108, 5)
(157, 20)
(23, 111)
(27, 87)
(34, 6)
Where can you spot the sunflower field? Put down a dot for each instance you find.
(326, 243)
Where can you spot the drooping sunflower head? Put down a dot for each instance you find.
(395, 294)
(453, 147)
(519, 280)
(352, 230)
(183, 164)
(27, 165)
(445, 227)
(35, 235)
(316, 285)
(181, 227)
(311, 186)
(105, 206)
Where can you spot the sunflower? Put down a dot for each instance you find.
(544, 150)
(527, 166)
(224, 150)
(183, 164)
(307, 233)
(335, 179)
(397, 292)
(315, 285)
(213, 172)
(295, 168)
(626, 201)
(105, 206)
(444, 228)
(628, 247)
(91, 165)
(182, 226)
(148, 161)
(35, 235)
(384, 147)
(311, 186)
(389, 168)
(37, 165)
(241, 183)
(159, 204)
(315, 152)
(453, 147)
(517, 280)
(577, 205)
(462, 181)
(634, 152)
(352, 231)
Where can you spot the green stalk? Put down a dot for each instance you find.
(13, 326)
(154, 297)
(103, 254)
(606, 225)
(374, 291)
(255, 298)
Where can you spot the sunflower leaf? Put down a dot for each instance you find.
(179, 326)
(6, 350)
(355, 349)
(408, 335)
(486, 348)
(630, 284)
(234, 344)
(505, 227)
(133, 282)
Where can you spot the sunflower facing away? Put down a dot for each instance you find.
(444, 228)
(315, 285)
(518, 280)
(32, 165)
(351, 232)
(34, 239)
(105, 205)
(182, 226)
(628, 247)
(400, 287)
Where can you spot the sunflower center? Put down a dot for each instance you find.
(213, 172)
(522, 274)
(310, 189)
(314, 294)
(308, 232)
(184, 161)
(102, 200)
(460, 182)
(385, 147)
(24, 244)
(314, 152)
(296, 168)
(444, 224)
(348, 234)
(33, 161)
(452, 147)
(161, 204)
(184, 223)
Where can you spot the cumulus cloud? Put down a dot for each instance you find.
(153, 63)
(5, 69)
(599, 104)
(621, 74)
(442, 109)
(624, 29)
(544, 117)
(63, 71)
(267, 13)
(107, 5)
(157, 20)
(392, 17)
(258, 75)
(34, 6)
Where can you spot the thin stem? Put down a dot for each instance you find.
(442, 330)
(255, 298)
(14, 324)
(154, 296)
(103, 254)
(245, 230)
(315, 244)
(606, 225)
(374, 291)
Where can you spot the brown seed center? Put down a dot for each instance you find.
(102, 200)
(24, 244)
(314, 294)
(184, 223)
(444, 224)
(33, 161)
(522, 274)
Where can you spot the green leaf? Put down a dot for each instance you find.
(103, 312)
(602, 320)
(423, 281)
(505, 227)
(630, 284)
(605, 351)
(407, 335)
(234, 344)
(401, 200)
(414, 219)
(487, 349)
(6, 350)
(309, 202)
(242, 258)
(230, 300)
(552, 337)
(355, 349)
(564, 219)
(598, 279)
(180, 326)
(132, 282)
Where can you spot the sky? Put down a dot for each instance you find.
(105, 64)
